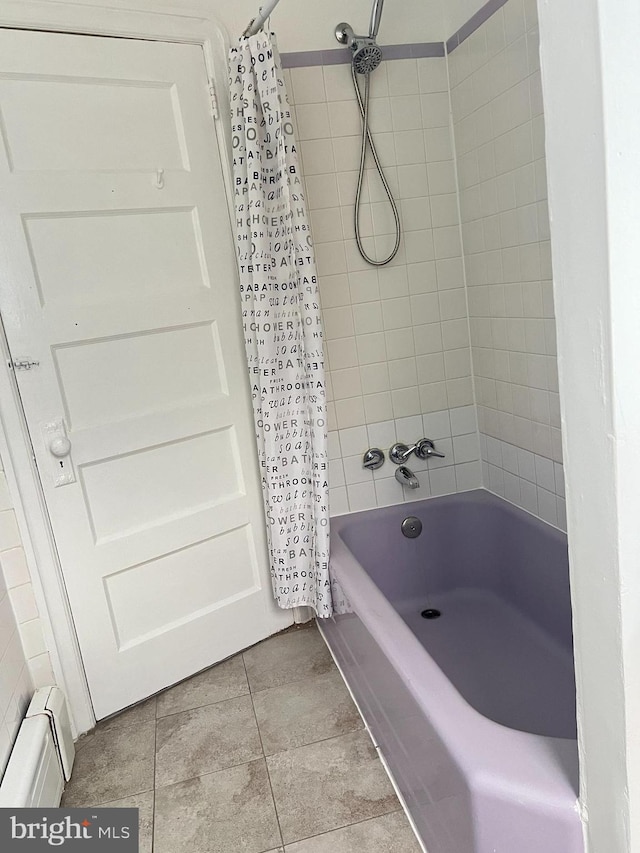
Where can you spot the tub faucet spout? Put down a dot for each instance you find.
(406, 477)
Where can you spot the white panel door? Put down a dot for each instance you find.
(118, 277)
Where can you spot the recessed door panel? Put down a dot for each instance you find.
(108, 258)
(91, 125)
(160, 484)
(181, 586)
(164, 370)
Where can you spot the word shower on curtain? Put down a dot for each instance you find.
(282, 326)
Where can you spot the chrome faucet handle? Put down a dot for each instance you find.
(425, 449)
(400, 452)
(373, 459)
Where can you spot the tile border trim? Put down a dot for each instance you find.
(475, 21)
(419, 50)
(340, 56)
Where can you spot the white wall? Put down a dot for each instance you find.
(592, 88)
(455, 13)
(310, 24)
(307, 24)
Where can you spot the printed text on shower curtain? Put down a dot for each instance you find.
(282, 326)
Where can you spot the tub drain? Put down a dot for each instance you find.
(430, 613)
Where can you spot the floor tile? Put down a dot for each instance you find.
(226, 812)
(390, 833)
(112, 764)
(143, 802)
(226, 680)
(305, 711)
(330, 784)
(213, 792)
(206, 739)
(287, 657)
(143, 712)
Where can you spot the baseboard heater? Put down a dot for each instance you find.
(42, 756)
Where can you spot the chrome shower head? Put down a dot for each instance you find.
(366, 53)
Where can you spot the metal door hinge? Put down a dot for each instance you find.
(23, 364)
(214, 100)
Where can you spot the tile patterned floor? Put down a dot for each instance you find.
(264, 753)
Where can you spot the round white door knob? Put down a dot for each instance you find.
(60, 446)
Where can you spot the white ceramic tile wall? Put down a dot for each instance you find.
(534, 482)
(397, 337)
(17, 582)
(499, 139)
(16, 604)
(25, 609)
(455, 434)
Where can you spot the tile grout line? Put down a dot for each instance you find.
(363, 727)
(264, 757)
(208, 773)
(347, 825)
(312, 743)
(251, 760)
(155, 759)
(250, 692)
(404, 807)
(205, 705)
(293, 681)
(94, 805)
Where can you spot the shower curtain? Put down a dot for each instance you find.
(282, 326)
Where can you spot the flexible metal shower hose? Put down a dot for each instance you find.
(366, 135)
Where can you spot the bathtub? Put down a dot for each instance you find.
(474, 711)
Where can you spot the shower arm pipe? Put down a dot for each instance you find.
(258, 22)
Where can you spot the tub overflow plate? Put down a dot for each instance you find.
(411, 527)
